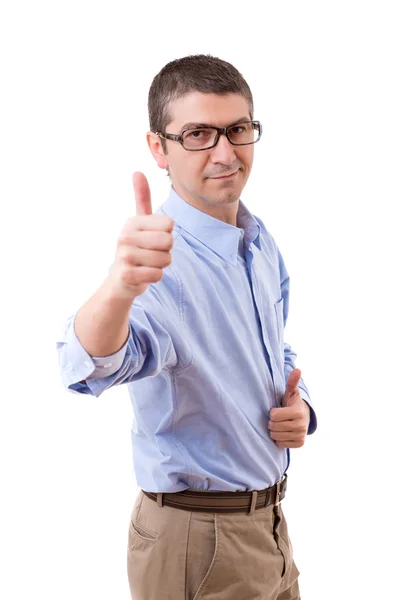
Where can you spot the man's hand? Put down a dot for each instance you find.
(288, 425)
(144, 246)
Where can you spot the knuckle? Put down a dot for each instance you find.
(129, 255)
(124, 238)
(170, 241)
(128, 277)
(169, 223)
(124, 254)
(166, 240)
(130, 226)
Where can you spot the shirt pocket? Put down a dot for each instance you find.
(279, 320)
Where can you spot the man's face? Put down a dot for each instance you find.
(194, 175)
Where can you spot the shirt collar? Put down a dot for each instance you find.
(219, 236)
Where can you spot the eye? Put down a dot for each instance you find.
(236, 129)
(197, 134)
(195, 139)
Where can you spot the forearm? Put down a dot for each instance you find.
(102, 323)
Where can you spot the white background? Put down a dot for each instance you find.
(325, 79)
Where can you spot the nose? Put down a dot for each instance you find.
(223, 152)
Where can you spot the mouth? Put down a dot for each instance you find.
(230, 176)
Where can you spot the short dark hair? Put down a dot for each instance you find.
(195, 73)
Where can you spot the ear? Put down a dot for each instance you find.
(154, 143)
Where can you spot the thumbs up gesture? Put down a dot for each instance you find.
(288, 425)
(144, 244)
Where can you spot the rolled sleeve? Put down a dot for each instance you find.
(313, 417)
(155, 340)
(108, 365)
(78, 366)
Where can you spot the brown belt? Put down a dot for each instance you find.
(225, 502)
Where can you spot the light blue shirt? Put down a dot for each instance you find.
(205, 360)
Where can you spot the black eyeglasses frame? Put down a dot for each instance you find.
(220, 131)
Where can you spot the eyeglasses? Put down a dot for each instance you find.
(204, 138)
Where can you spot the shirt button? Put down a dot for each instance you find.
(107, 365)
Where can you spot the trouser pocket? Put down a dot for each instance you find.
(156, 554)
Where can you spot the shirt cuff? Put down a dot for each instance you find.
(83, 366)
(108, 365)
(313, 419)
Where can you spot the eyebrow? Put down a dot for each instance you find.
(193, 124)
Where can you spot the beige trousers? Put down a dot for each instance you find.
(175, 554)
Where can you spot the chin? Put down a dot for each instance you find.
(229, 197)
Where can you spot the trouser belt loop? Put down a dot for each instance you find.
(278, 490)
(254, 494)
(160, 499)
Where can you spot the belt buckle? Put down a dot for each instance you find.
(278, 491)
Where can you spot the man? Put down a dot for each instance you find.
(191, 317)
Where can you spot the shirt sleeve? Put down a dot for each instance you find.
(153, 324)
(290, 355)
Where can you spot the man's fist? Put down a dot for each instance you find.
(288, 425)
(144, 244)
